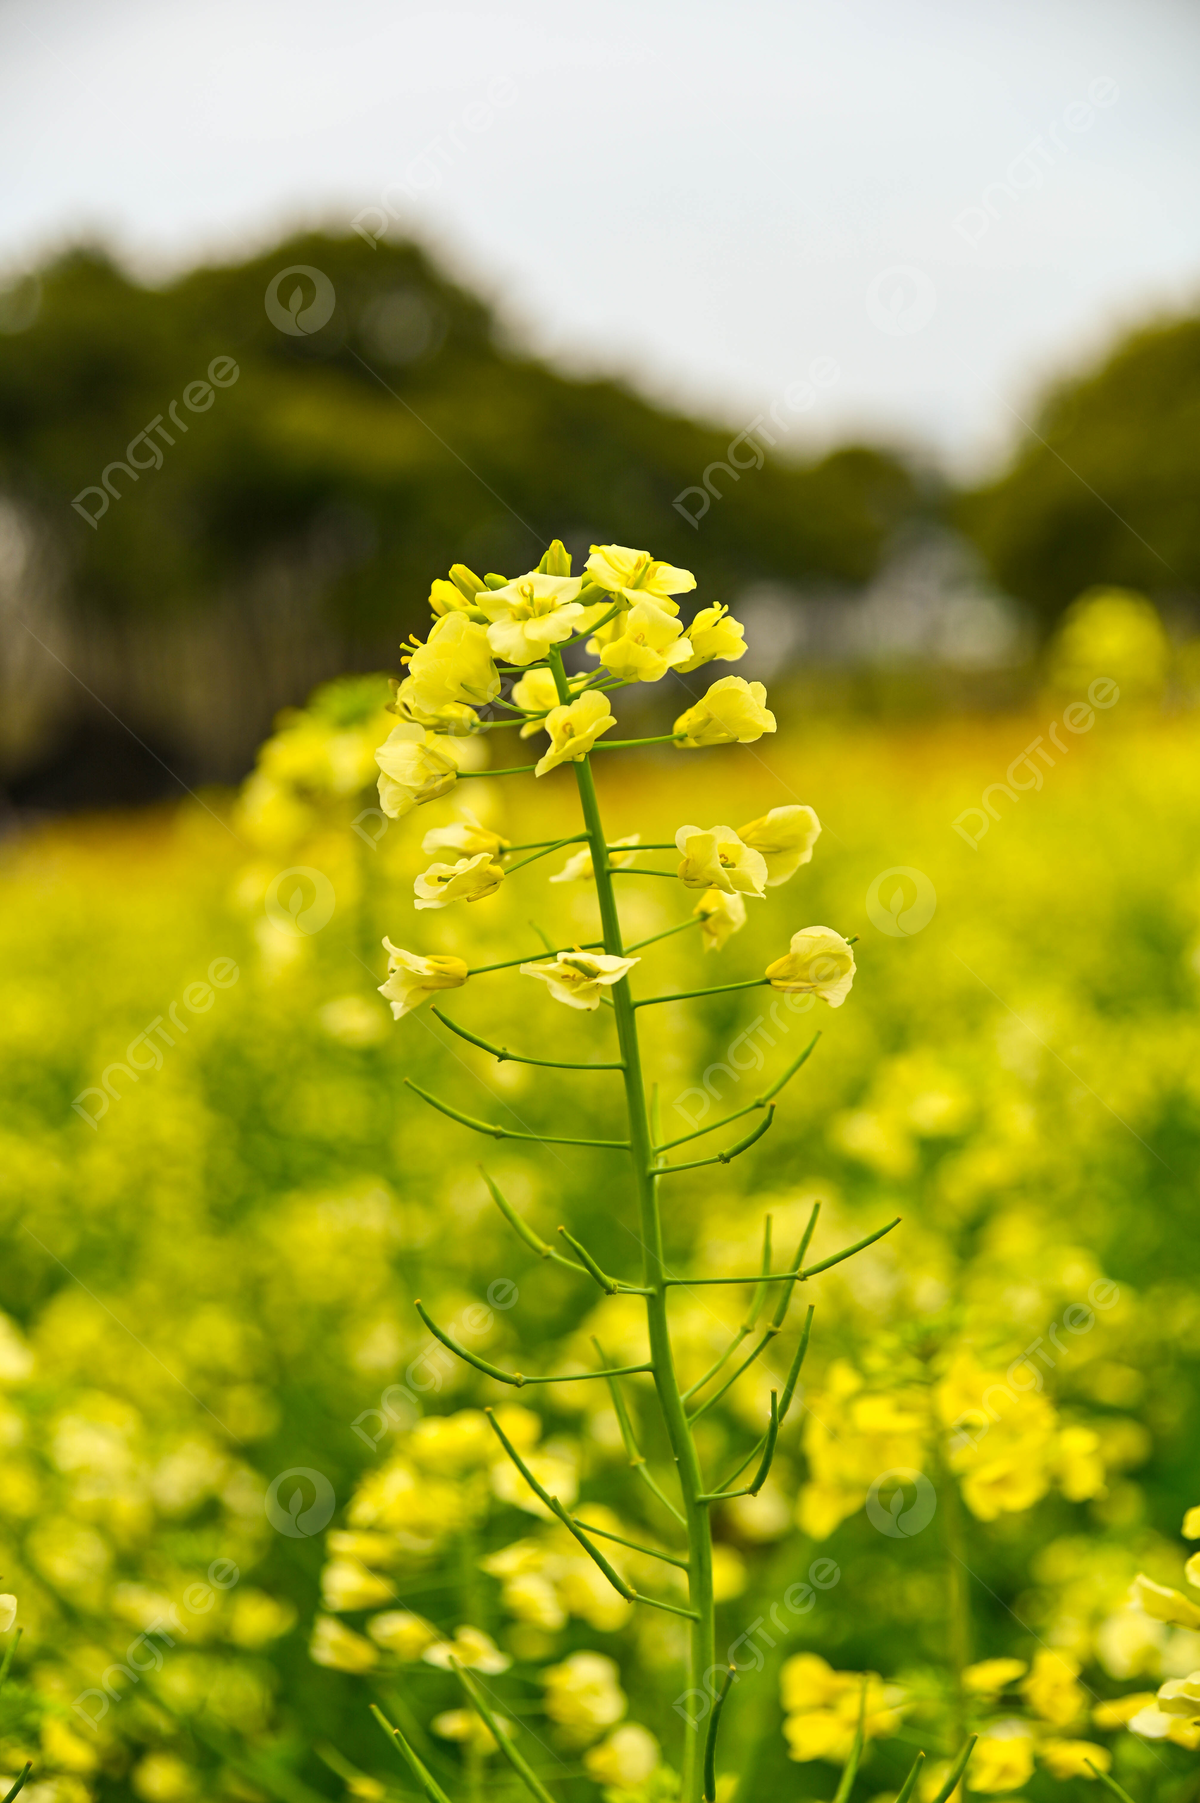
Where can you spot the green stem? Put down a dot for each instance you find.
(642, 1171)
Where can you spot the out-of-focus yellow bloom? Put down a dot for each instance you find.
(732, 712)
(465, 1726)
(1181, 1696)
(578, 867)
(347, 1585)
(402, 1633)
(466, 836)
(334, 1645)
(1051, 1688)
(785, 837)
(583, 1693)
(720, 916)
(454, 665)
(8, 1612)
(819, 962)
(1118, 1712)
(729, 1573)
(353, 1020)
(468, 879)
(454, 1443)
(874, 1433)
(412, 979)
(823, 1708)
(988, 1677)
(1070, 1758)
(577, 978)
(64, 1750)
(1078, 1463)
(1154, 1723)
(626, 1758)
(637, 576)
(715, 858)
(414, 766)
(532, 613)
(1191, 1524)
(163, 1778)
(554, 1472)
(257, 1619)
(714, 635)
(537, 692)
(649, 644)
(1162, 1603)
(574, 728)
(472, 1648)
(1114, 633)
(1003, 1758)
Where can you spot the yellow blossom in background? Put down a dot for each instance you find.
(1003, 1758)
(988, 1677)
(583, 1695)
(1162, 1603)
(578, 867)
(636, 576)
(1052, 1689)
(466, 836)
(468, 879)
(472, 1648)
(1078, 1463)
(715, 858)
(626, 1758)
(785, 837)
(714, 635)
(402, 1633)
(412, 979)
(414, 766)
(649, 644)
(574, 729)
(1191, 1524)
(822, 1708)
(338, 1647)
(465, 1726)
(733, 712)
(577, 978)
(557, 1475)
(1072, 1758)
(819, 962)
(347, 1585)
(720, 915)
(8, 1612)
(532, 613)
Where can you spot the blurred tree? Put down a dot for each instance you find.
(1107, 491)
(300, 511)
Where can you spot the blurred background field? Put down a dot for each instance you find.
(214, 1283)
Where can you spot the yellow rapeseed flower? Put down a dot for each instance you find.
(537, 692)
(988, 1677)
(472, 1648)
(1162, 1603)
(574, 728)
(649, 644)
(732, 712)
(413, 979)
(715, 858)
(1003, 1758)
(637, 576)
(583, 1694)
(533, 612)
(720, 915)
(578, 867)
(785, 837)
(469, 879)
(819, 962)
(577, 978)
(714, 636)
(339, 1648)
(466, 836)
(1051, 1690)
(414, 766)
(1073, 1758)
(626, 1759)
(454, 665)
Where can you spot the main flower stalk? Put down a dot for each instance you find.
(666, 1383)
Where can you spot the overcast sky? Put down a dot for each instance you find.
(952, 199)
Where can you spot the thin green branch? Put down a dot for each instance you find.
(747, 1326)
(785, 1403)
(542, 1139)
(758, 1102)
(910, 1783)
(545, 852)
(662, 738)
(641, 944)
(512, 770)
(651, 1552)
(849, 1251)
(636, 1458)
(424, 1778)
(635, 870)
(764, 1468)
(954, 1776)
(517, 1761)
(552, 951)
(1109, 1784)
(687, 995)
(711, 1402)
(517, 1378)
(556, 1508)
(710, 1740)
(612, 1286)
(10, 1654)
(524, 1232)
(577, 638)
(503, 1056)
(796, 1276)
(850, 1769)
(730, 1152)
(19, 1783)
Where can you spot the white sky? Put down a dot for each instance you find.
(705, 197)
